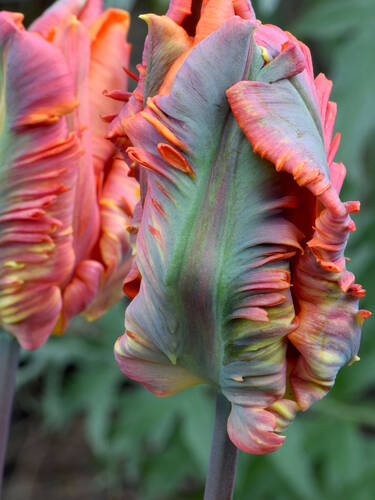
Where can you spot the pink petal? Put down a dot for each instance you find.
(252, 430)
(73, 39)
(80, 291)
(86, 11)
(153, 369)
(39, 172)
(119, 197)
(179, 9)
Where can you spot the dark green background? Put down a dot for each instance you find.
(81, 430)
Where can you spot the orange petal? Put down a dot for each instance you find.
(108, 36)
(85, 11)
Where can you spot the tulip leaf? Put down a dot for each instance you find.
(294, 465)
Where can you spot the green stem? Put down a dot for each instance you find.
(223, 458)
(9, 353)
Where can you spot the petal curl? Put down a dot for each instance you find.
(280, 128)
(329, 330)
(252, 430)
(290, 123)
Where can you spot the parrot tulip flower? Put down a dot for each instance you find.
(66, 200)
(240, 249)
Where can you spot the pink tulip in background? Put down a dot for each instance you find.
(66, 200)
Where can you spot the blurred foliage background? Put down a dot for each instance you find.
(81, 430)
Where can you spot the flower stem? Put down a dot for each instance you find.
(223, 458)
(9, 353)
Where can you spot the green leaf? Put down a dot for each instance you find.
(361, 413)
(353, 58)
(197, 424)
(343, 454)
(294, 464)
(332, 18)
(162, 474)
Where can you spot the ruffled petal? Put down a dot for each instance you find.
(329, 321)
(285, 411)
(29, 102)
(290, 123)
(30, 322)
(103, 234)
(239, 279)
(141, 360)
(38, 171)
(179, 9)
(280, 128)
(252, 430)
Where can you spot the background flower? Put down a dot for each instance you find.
(66, 201)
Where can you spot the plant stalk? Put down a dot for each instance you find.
(9, 354)
(223, 458)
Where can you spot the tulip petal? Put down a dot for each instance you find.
(153, 369)
(85, 10)
(288, 63)
(38, 170)
(42, 102)
(280, 127)
(166, 42)
(73, 39)
(27, 320)
(120, 195)
(80, 292)
(244, 9)
(213, 15)
(214, 303)
(96, 285)
(108, 36)
(252, 430)
(329, 321)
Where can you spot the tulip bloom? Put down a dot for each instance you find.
(241, 243)
(66, 200)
